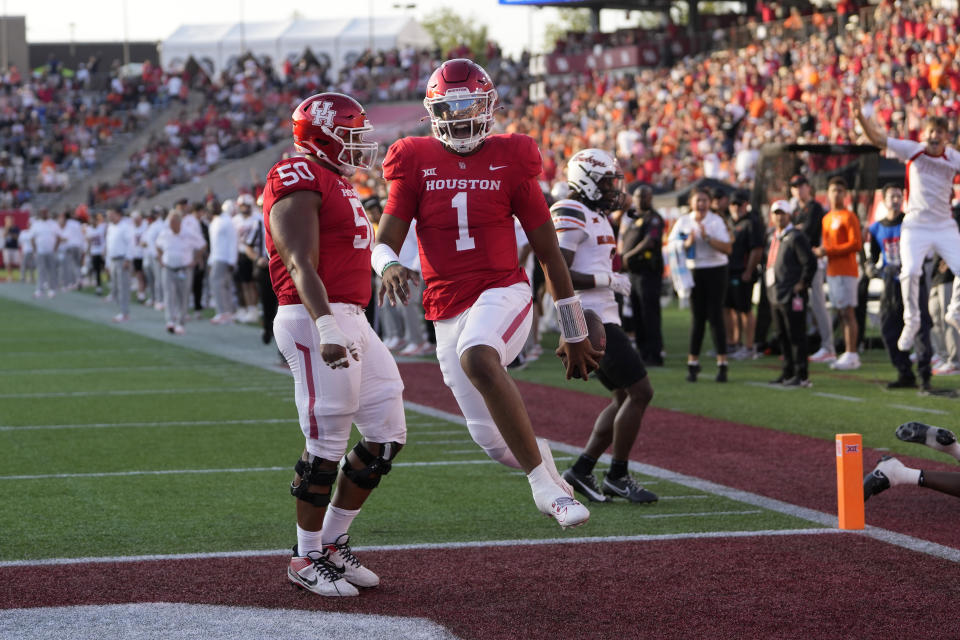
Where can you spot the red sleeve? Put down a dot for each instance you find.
(529, 205)
(295, 174)
(529, 155)
(527, 199)
(402, 197)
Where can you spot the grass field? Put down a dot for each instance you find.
(115, 444)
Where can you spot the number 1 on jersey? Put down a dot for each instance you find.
(464, 241)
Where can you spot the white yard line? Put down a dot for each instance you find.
(139, 392)
(146, 425)
(837, 396)
(919, 409)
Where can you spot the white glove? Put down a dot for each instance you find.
(620, 283)
(330, 333)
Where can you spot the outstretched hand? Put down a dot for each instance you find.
(395, 278)
(580, 358)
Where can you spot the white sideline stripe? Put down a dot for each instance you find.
(432, 546)
(171, 423)
(920, 409)
(837, 396)
(172, 472)
(437, 442)
(139, 392)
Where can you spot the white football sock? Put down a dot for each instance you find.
(897, 473)
(542, 483)
(336, 522)
(308, 541)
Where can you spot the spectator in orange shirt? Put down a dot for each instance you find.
(841, 243)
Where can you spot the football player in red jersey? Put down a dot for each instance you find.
(319, 239)
(464, 187)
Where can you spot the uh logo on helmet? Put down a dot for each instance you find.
(595, 176)
(332, 126)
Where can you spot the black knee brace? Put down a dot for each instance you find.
(379, 465)
(311, 474)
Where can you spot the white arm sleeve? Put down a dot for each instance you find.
(904, 149)
(570, 238)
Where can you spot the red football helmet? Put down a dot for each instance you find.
(460, 102)
(331, 126)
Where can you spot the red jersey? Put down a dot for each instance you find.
(464, 207)
(345, 235)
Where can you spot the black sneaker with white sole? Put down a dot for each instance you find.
(876, 481)
(921, 433)
(585, 484)
(627, 487)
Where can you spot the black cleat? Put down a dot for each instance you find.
(627, 487)
(692, 371)
(585, 484)
(925, 434)
(797, 381)
(721, 373)
(903, 382)
(875, 482)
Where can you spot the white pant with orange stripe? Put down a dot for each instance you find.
(368, 393)
(500, 318)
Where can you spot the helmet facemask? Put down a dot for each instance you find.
(355, 153)
(461, 119)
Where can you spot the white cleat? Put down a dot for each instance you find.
(567, 511)
(346, 564)
(314, 572)
(551, 466)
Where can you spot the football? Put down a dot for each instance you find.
(596, 334)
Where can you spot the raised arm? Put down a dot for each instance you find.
(872, 130)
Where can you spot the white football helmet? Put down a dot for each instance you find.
(594, 175)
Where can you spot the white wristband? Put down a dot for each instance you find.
(573, 326)
(330, 331)
(381, 257)
(601, 280)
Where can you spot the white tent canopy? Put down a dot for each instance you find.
(214, 46)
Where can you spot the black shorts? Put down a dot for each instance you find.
(739, 295)
(137, 264)
(621, 365)
(244, 268)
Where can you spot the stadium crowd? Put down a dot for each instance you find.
(704, 116)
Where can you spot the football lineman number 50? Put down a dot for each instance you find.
(292, 173)
(464, 242)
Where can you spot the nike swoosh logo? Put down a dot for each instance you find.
(493, 168)
(307, 581)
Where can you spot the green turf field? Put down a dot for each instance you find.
(117, 444)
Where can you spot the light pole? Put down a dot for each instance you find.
(126, 38)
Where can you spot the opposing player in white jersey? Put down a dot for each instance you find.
(927, 224)
(588, 245)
